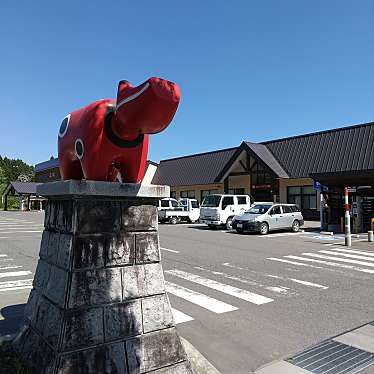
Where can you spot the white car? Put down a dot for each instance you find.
(265, 217)
(217, 210)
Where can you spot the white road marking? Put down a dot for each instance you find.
(299, 281)
(358, 257)
(16, 288)
(6, 259)
(15, 285)
(10, 267)
(340, 259)
(15, 232)
(294, 263)
(198, 298)
(15, 274)
(2, 255)
(169, 250)
(180, 317)
(280, 234)
(335, 264)
(354, 251)
(276, 289)
(305, 283)
(229, 290)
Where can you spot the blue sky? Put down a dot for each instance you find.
(248, 70)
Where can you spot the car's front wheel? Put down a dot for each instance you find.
(229, 224)
(295, 226)
(264, 228)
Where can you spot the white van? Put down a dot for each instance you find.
(217, 210)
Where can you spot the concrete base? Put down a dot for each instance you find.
(99, 303)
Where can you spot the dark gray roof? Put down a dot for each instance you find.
(268, 158)
(201, 168)
(338, 150)
(46, 165)
(24, 188)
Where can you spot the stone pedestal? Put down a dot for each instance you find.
(99, 303)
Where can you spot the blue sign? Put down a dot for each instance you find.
(317, 186)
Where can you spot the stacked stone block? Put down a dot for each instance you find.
(99, 303)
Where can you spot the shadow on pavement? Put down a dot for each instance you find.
(13, 317)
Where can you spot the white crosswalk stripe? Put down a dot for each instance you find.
(200, 299)
(359, 252)
(9, 274)
(336, 258)
(180, 317)
(15, 285)
(224, 288)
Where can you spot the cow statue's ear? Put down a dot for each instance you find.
(123, 87)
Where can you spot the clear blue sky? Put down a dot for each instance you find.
(248, 70)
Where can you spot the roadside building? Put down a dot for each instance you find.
(292, 170)
(285, 170)
(25, 192)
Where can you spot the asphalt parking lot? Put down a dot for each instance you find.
(242, 300)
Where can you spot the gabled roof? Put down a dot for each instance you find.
(338, 150)
(201, 168)
(260, 152)
(263, 153)
(22, 188)
(46, 165)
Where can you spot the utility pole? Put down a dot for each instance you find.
(347, 219)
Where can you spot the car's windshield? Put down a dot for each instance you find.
(211, 201)
(258, 209)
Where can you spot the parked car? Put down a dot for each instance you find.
(217, 210)
(167, 203)
(265, 217)
(188, 210)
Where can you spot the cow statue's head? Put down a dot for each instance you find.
(145, 109)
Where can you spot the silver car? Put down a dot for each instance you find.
(265, 217)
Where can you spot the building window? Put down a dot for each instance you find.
(188, 194)
(173, 194)
(236, 191)
(303, 196)
(207, 192)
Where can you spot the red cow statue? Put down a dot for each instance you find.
(108, 137)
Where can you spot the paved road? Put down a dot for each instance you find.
(242, 300)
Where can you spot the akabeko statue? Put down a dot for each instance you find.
(109, 136)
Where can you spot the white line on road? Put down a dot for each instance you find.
(10, 267)
(229, 290)
(2, 255)
(15, 274)
(277, 289)
(280, 234)
(7, 286)
(169, 250)
(16, 288)
(180, 317)
(305, 283)
(340, 259)
(294, 263)
(299, 281)
(15, 232)
(198, 298)
(358, 257)
(335, 264)
(352, 251)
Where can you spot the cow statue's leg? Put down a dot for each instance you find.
(70, 169)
